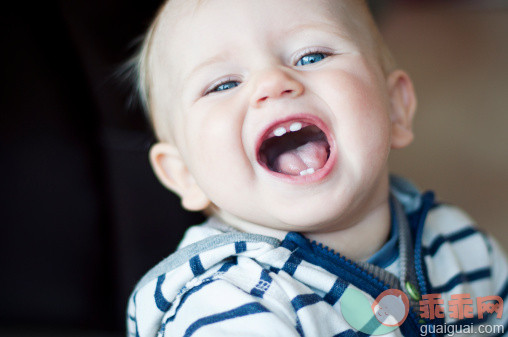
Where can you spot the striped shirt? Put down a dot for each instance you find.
(221, 282)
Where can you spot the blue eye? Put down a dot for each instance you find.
(310, 58)
(225, 86)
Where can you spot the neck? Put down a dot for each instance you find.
(361, 240)
(358, 242)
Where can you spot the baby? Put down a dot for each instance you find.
(276, 119)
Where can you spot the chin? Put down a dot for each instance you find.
(309, 219)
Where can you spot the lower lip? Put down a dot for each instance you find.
(320, 174)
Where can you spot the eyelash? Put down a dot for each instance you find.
(213, 88)
(309, 51)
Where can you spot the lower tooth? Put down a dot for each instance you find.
(307, 171)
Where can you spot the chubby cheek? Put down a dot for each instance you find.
(361, 108)
(215, 146)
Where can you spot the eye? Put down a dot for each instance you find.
(311, 58)
(226, 86)
(222, 86)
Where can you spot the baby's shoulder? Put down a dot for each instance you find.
(457, 254)
(450, 229)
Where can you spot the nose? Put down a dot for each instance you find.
(274, 83)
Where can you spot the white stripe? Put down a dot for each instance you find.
(462, 256)
(444, 220)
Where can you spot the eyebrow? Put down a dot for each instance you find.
(209, 61)
(330, 28)
(292, 31)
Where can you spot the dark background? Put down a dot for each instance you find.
(82, 216)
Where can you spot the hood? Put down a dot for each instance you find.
(202, 249)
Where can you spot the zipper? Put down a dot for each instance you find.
(427, 204)
(354, 269)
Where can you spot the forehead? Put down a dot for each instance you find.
(200, 13)
(203, 25)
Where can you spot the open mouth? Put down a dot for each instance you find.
(294, 148)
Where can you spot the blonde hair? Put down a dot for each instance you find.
(140, 64)
(382, 52)
(141, 68)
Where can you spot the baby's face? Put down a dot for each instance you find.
(279, 109)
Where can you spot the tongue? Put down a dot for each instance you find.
(312, 155)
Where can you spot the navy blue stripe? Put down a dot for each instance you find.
(263, 284)
(244, 310)
(228, 264)
(291, 264)
(292, 240)
(343, 268)
(475, 320)
(160, 301)
(135, 321)
(265, 276)
(462, 278)
(240, 247)
(336, 292)
(196, 266)
(299, 327)
(441, 239)
(302, 301)
(504, 291)
(186, 296)
(257, 292)
(135, 324)
(192, 291)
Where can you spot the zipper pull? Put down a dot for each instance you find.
(412, 291)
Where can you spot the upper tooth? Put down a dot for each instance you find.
(279, 131)
(295, 126)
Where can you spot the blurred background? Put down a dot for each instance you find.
(83, 217)
(457, 56)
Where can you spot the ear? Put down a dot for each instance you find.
(172, 172)
(403, 99)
